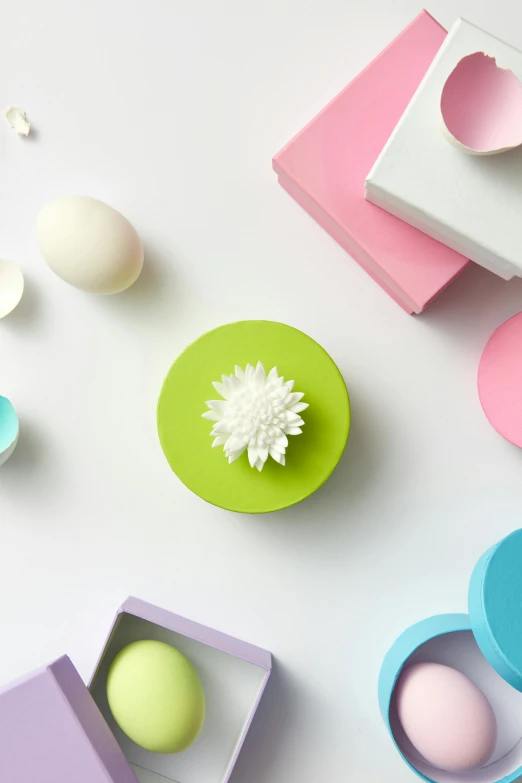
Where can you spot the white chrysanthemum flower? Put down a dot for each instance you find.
(256, 414)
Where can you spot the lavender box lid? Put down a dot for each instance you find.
(51, 731)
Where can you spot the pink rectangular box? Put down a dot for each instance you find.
(325, 166)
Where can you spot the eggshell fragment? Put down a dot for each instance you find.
(89, 244)
(17, 119)
(446, 717)
(9, 429)
(11, 286)
(481, 106)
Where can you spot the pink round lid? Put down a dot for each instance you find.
(500, 380)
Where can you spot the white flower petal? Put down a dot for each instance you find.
(252, 455)
(211, 416)
(294, 431)
(221, 389)
(301, 406)
(260, 376)
(222, 426)
(240, 373)
(262, 453)
(293, 398)
(219, 440)
(280, 393)
(281, 440)
(272, 375)
(260, 465)
(277, 455)
(293, 424)
(235, 455)
(235, 444)
(289, 416)
(220, 406)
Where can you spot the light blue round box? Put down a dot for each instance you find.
(495, 620)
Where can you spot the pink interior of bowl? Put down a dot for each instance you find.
(481, 104)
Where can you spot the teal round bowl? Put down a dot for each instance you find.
(9, 429)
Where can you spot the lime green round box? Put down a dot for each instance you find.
(185, 435)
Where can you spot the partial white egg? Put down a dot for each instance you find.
(89, 244)
(11, 286)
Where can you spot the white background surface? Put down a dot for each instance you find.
(171, 112)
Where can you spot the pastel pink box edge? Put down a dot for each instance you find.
(499, 380)
(324, 168)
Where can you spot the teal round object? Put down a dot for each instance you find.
(494, 618)
(397, 657)
(495, 607)
(9, 429)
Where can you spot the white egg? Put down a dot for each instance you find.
(89, 244)
(11, 287)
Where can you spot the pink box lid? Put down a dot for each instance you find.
(325, 166)
(51, 731)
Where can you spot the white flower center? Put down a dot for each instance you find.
(256, 414)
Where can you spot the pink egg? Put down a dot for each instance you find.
(446, 717)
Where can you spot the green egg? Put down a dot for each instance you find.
(156, 696)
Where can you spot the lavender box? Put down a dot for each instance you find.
(53, 730)
(233, 673)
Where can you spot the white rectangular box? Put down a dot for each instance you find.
(473, 204)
